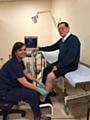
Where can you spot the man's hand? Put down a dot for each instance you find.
(35, 50)
(54, 68)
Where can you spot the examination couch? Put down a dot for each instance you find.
(78, 78)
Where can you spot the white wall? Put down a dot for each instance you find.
(77, 14)
(15, 23)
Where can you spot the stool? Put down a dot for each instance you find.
(6, 106)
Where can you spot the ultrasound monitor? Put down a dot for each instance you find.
(30, 42)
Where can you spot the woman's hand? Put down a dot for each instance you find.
(40, 83)
(42, 91)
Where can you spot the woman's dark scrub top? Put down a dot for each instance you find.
(10, 72)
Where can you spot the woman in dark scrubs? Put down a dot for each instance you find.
(15, 87)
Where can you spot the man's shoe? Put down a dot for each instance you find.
(43, 118)
(53, 93)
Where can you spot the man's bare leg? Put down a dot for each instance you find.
(48, 85)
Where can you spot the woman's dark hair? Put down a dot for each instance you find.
(65, 23)
(16, 47)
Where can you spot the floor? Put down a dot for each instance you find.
(76, 112)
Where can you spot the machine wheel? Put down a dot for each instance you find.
(66, 109)
(23, 114)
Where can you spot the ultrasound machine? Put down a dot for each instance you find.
(31, 43)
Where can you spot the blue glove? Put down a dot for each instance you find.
(42, 91)
(40, 83)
